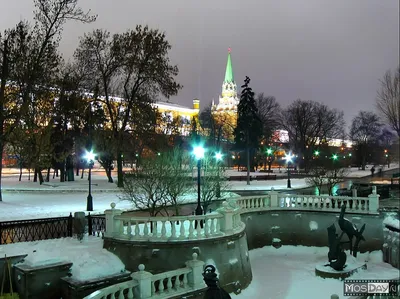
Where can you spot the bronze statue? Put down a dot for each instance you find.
(211, 280)
(336, 255)
(351, 231)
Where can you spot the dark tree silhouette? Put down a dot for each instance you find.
(249, 127)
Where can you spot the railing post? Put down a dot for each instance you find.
(373, 199)
(274, 198)
(195, 277)
(112, 226)
(226, 223)
(143, 278)
(90, 224)
(69, 225)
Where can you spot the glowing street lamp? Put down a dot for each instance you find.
(316, 153)
(335, 157)
(288, 158)
(198, 152)
(90, 157)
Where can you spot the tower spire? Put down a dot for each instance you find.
(229, 72)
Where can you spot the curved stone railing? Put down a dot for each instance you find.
(225, 221)
(125, 289)
(164, 285)
(325, 203)
(169, 228)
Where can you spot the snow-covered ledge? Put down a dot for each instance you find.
(164, 285)
(391, 238)
(225, 221)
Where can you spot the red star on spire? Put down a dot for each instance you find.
(229, 50)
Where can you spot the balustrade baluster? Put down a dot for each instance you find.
(121, 293)
(198, 230)
(184, 280)
(173, 229)
(206, 227)
(175, 284)
(137, 230)
(112, 295)
(163, 230)
(129, 229)
(169, 284)
(153, 288)
(212, 226)
(182, 233)
(191, 229)
(145, 229)
(218, 226)
(122, 228)
(161, 286)
(130, 293)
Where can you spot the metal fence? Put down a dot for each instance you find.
(47, 228)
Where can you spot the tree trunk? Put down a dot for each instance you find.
(48, 175)
(120, 173)
(62, 174)
(248, 164)
(35, 175)
(109, 176)
(40, 177)
(20, 173)
(1, 164)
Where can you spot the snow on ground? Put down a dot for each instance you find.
(289, 273)
(89, 259)
(392, 221)
(284, 273)
(27, 200)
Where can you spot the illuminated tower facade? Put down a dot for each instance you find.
(225, 112)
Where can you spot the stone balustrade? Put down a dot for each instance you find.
(162, 285)
(391, 238)
(326, 203)
(225, 220)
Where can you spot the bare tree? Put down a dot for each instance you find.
(309, 123)
(178, 181)
(334, 176)
(388, 99)
(134, 66)
(365, 129)
(317, 178)
(146, 187)
(268, 109)
(212, 180)
(28, 59)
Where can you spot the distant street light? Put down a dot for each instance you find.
(288, 158)
(218, 157)
(90, 157)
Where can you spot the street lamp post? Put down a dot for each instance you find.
(198, 152)
(288, 158)
(218, 157)
(90, 159)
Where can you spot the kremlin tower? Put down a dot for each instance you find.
(225, 112)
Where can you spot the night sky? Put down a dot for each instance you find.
(332, 51)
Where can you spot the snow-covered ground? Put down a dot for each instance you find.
(26, 199)
(284, 273)
(289, 273)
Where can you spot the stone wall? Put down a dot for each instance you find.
(307, 228)
(229, 255)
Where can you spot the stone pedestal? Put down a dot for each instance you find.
(40, 282)
(352, 266)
